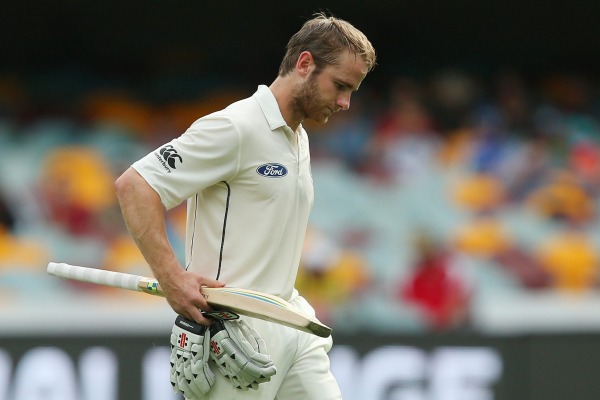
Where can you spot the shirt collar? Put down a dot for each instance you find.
(269, 106)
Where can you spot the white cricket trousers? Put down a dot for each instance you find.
(302, 363)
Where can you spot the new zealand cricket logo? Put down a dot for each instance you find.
(152, 286)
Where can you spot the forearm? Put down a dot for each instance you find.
(143, 213)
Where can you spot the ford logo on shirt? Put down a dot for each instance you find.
(272, 170)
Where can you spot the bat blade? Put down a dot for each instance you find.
(242, 301)
(264, 306)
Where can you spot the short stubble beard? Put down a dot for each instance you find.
(307, 102)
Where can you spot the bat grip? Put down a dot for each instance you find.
(93, 275)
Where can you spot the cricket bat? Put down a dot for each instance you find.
(242, 301)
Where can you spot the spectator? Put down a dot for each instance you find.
(562, 196)
(405, 143)
(570, 258)
(437, 287)
(75, 186)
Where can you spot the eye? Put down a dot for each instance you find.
(339, 86)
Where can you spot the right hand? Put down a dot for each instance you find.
(182, 291)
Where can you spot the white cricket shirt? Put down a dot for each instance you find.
(249, 193)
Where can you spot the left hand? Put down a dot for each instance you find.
(190, 372)
(240, 354)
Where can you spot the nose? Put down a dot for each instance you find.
(344, 101)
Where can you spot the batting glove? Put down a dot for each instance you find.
(190, 347)
(240, 354)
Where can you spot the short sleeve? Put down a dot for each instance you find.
(207, 153)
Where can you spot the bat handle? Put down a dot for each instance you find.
(93, 275)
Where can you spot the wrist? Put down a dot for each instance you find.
(168, 275)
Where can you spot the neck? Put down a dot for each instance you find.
(283, 90)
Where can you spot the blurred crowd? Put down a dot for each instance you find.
(431, 192)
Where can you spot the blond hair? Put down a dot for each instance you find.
(326, 38)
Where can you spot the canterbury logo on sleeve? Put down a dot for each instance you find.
(168, 157)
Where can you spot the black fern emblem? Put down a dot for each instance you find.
(169, 154)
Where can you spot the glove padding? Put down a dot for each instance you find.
(190, 348)
(240, 354)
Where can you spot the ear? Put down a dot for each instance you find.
(305, 64)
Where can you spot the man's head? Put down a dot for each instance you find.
(327, 39)
(325, 62)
